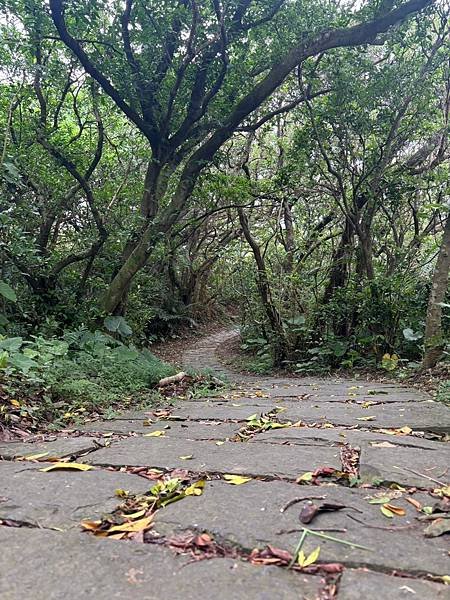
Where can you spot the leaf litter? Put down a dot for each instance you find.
(133, 518)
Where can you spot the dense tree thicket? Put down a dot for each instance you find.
(162, 161)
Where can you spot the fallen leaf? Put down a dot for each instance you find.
(305, 477)
(415, 503)
(15, 403)
(220, 443)
(328, 426)
(136, 515)
(308, 512)
(386, 512)
(69, 466)
(381, 500)
(443, 491)
(187, 457)
(396, 510)
(121, 493)
(367, 404)
(195, 489)
(236, 479)
(305, 561)
(157, 433)
(33, 456)
(371, 418)
(90, 525)
(132, 526)
(383, 445)
(405, 429)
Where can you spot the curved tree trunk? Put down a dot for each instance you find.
(434, 342)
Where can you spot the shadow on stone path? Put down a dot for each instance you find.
(400, 433)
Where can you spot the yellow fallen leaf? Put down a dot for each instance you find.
(33, 456)
(405, 429)
(121, 493)
(15, 403)
(367, 404)
(443, 491)
(117, 536)
(446, 579)
(133, 526)
(328, 426)
(90, 525)
(195, 489)
(305, 477)
(136, 515)
(371, 418)
(236, 479)
(67, 465)
(157, 433)
(305, 561)
(187, 457)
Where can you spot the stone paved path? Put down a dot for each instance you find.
(52, 559)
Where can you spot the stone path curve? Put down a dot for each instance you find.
(400, 435)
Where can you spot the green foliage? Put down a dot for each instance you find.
(59, 380)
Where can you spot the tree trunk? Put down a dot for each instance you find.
(434, 342)
(281, 350)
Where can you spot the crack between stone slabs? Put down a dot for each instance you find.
(19, 524)
(310, 425)
(72, 455)
(350, 564)
(288, 442)
(219, 475)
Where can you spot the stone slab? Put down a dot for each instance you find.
(46, 565)
(259, 522)
(312, 436)
(424, 416)
(60, 498)
(390, 464)
(356, 584)
(61, 447)
(394, 463)
(184, 429)
(230, 457)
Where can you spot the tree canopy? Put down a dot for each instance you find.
(163, 161)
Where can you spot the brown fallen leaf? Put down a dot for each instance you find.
(417, 505)
(308, 512)
(396, 510)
